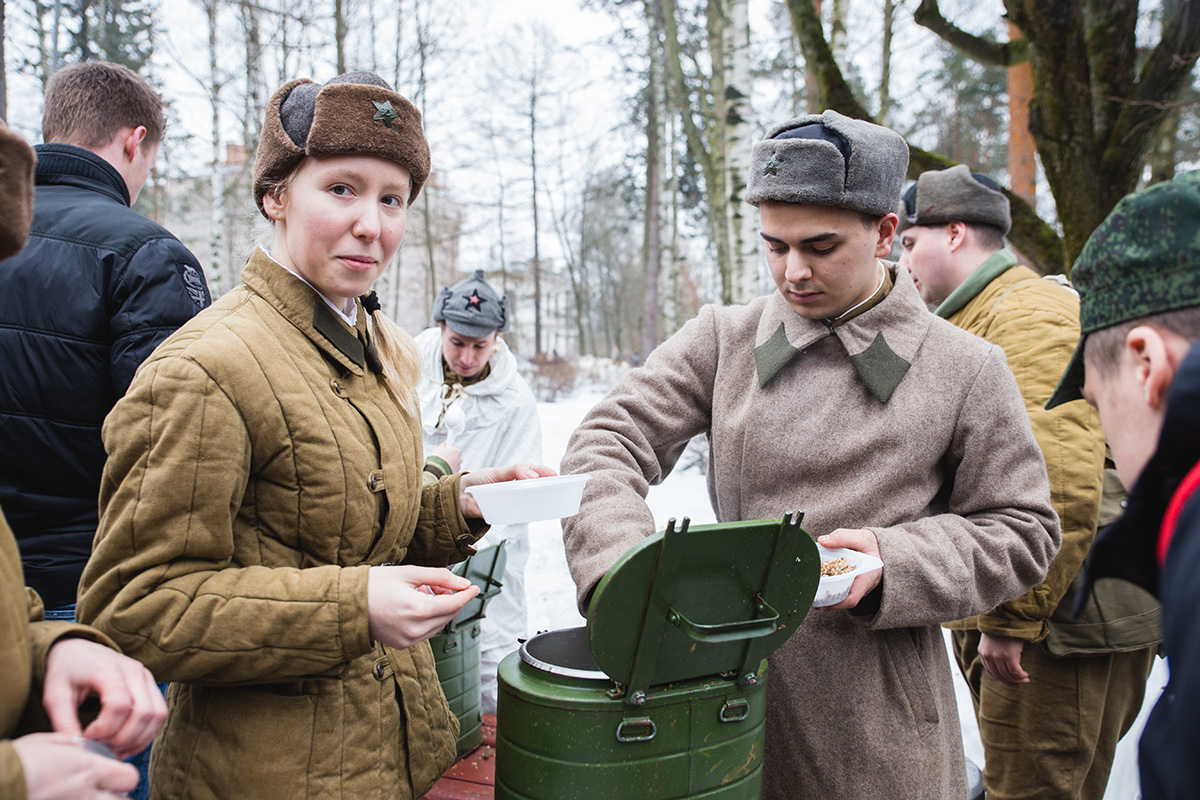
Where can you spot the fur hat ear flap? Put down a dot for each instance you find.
(16, 201)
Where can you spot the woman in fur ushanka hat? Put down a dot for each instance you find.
(265, 543)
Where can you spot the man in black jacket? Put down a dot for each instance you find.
(95, 290)
(1138, 363)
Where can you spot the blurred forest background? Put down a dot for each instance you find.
(591, 155)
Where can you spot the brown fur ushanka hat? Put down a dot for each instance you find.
(357, 113)
(16, 198)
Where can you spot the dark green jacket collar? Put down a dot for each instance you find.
(996, 265)
(303, 307)
(880, 343)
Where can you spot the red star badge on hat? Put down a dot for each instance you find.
(475, 301)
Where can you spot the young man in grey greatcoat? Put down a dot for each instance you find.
(895, 432)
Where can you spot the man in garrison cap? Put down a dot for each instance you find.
(1053, 693)
(1138, 363)
(467, 366)
(898, 435)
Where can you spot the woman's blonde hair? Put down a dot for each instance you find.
(399, 356)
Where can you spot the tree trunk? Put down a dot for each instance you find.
(885, 72)
(537, 258)
(700, 144)
(1162, 157)
(812, 83)
(217, 184)
(837, 31)
(738, 145)
(1022, 163)
(339, 33)
(652, 234)
(3, 72)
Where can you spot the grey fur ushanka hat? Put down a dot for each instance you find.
(829, 159)
(357, 113)
(955, 195)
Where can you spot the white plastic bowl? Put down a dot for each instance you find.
(529, 500)
(833, 589)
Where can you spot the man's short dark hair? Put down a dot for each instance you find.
(1103, 347)
(990, 237)
(89, 102)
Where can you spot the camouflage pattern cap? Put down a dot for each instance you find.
(1143, 260)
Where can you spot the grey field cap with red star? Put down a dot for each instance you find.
(472, 307)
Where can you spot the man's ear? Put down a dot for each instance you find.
(887, 233)
(956, 232)
(132, 141)
(1155, 363)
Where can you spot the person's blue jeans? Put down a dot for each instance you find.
(142, 759)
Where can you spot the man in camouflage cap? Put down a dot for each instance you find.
(470, 377)
(1138, 363)
(1028, 662)
(897, 433)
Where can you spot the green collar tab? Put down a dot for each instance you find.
(773, 355)
(996, 265)
(880, 368)
(328, 325)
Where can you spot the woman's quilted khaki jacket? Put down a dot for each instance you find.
(257, 468)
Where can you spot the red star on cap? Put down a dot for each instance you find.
(475, 301)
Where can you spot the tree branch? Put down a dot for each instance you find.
(1030, 234)
(1001, 54)
(835, 92)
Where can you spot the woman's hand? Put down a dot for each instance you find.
(57, 768)
(407, 605)
(132, 708)
(863, 541)
(513, 472)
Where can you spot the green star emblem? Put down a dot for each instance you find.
(384, 112)
(772, 166)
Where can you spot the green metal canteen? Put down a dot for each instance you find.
(663, 694)
(456, 647)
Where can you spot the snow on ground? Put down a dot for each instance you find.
(551, 592)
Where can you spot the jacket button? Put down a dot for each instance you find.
(374, 482)
(378, 670)
(338, 388)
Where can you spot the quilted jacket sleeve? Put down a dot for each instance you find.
(1038, 344)
(163, 581)
(12, 777)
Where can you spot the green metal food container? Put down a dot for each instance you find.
(663, 694)
(456, 647)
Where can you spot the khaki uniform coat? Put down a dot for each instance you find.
(257, 468)
(24, 641)
(1036, 322)
(896, 421)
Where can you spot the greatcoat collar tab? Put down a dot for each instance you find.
(881, 360)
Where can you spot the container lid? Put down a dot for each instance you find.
(691, 602)
(484, 569)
